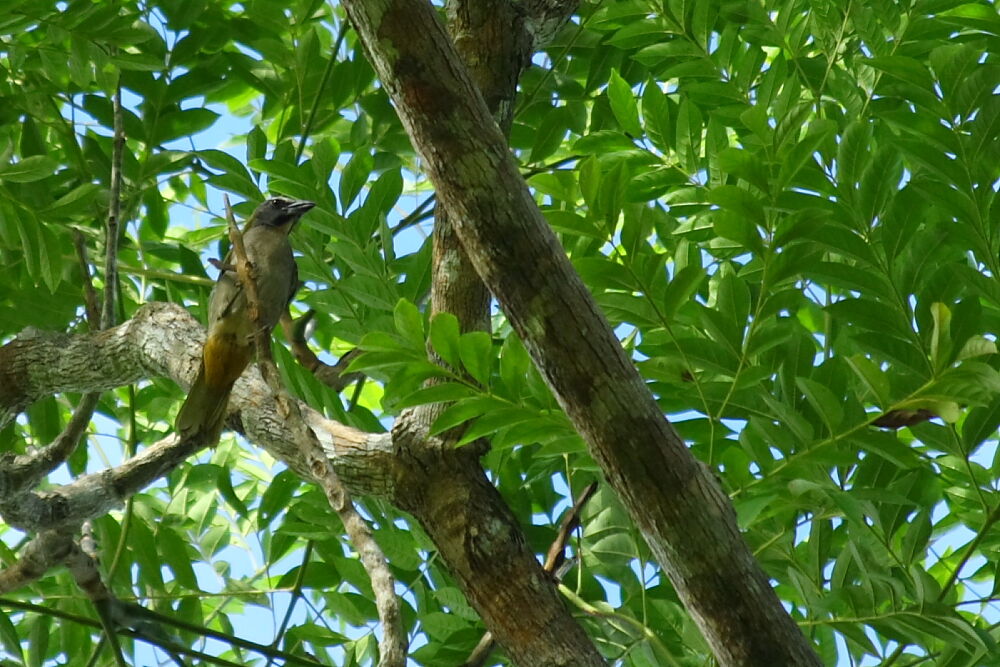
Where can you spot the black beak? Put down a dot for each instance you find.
(300, 207)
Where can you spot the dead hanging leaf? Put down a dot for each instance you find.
(900, 418)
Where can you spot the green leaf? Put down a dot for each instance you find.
(409, 323)
(9, 638)
(623, 104)
(550, 134)
(745, 164)
(611, 195)
(603, 142)
(462, 411)
(50, 258)
(224, 483)
(356, 174)
(823, 401)
(80, 198)
(384, 192)
(444, 338)
(689, 133)
(590, 182)
(174, 550)
(476, 350)
(738, 201)
(874, 379)
(443, 392)
(940, 335)
(39, 635)
(514, 362)
(33, 168)
(276, 497)
(256, 144)
(656, 118)
(853, 155)
(182, 123)
(981, 424)
(681, 289)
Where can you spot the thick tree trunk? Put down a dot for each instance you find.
(684, 515)
(477, 535)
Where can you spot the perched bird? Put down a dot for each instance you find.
(231, 328)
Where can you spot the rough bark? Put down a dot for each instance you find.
(165, 340)
(677, 503)
(485, 550)
(465, 516)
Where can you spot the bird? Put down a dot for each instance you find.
(231, 328)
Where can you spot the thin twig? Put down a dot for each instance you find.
(248, 279)
(418, 214)
(332, 375)
(25, 471)
(296, 594)
(114, 214)
(89, 293)
(569, 523)
(166, 276)
(318, 96)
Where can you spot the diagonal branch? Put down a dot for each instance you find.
(22, 472)
(675, 500)
(95, 494)
(554, 561)
(46, 550)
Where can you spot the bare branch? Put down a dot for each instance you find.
(570, 521)
(392, 647)
(89, 293)
(248, 281)
(22, 472)
(335, 375)
(94, 495)
(43, 552)
(114, 214)
(164, 340)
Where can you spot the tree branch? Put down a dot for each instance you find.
(165, 340)
(44, 551)
(94, 495)
(18, 473)
(554, 561)
(335, 375)
(114, 214)
(473, 527)
(486, 554)
(674, 499)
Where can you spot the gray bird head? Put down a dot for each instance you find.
(281, 211)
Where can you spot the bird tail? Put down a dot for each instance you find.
(204, 411)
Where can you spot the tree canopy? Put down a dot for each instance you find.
(787, 212)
